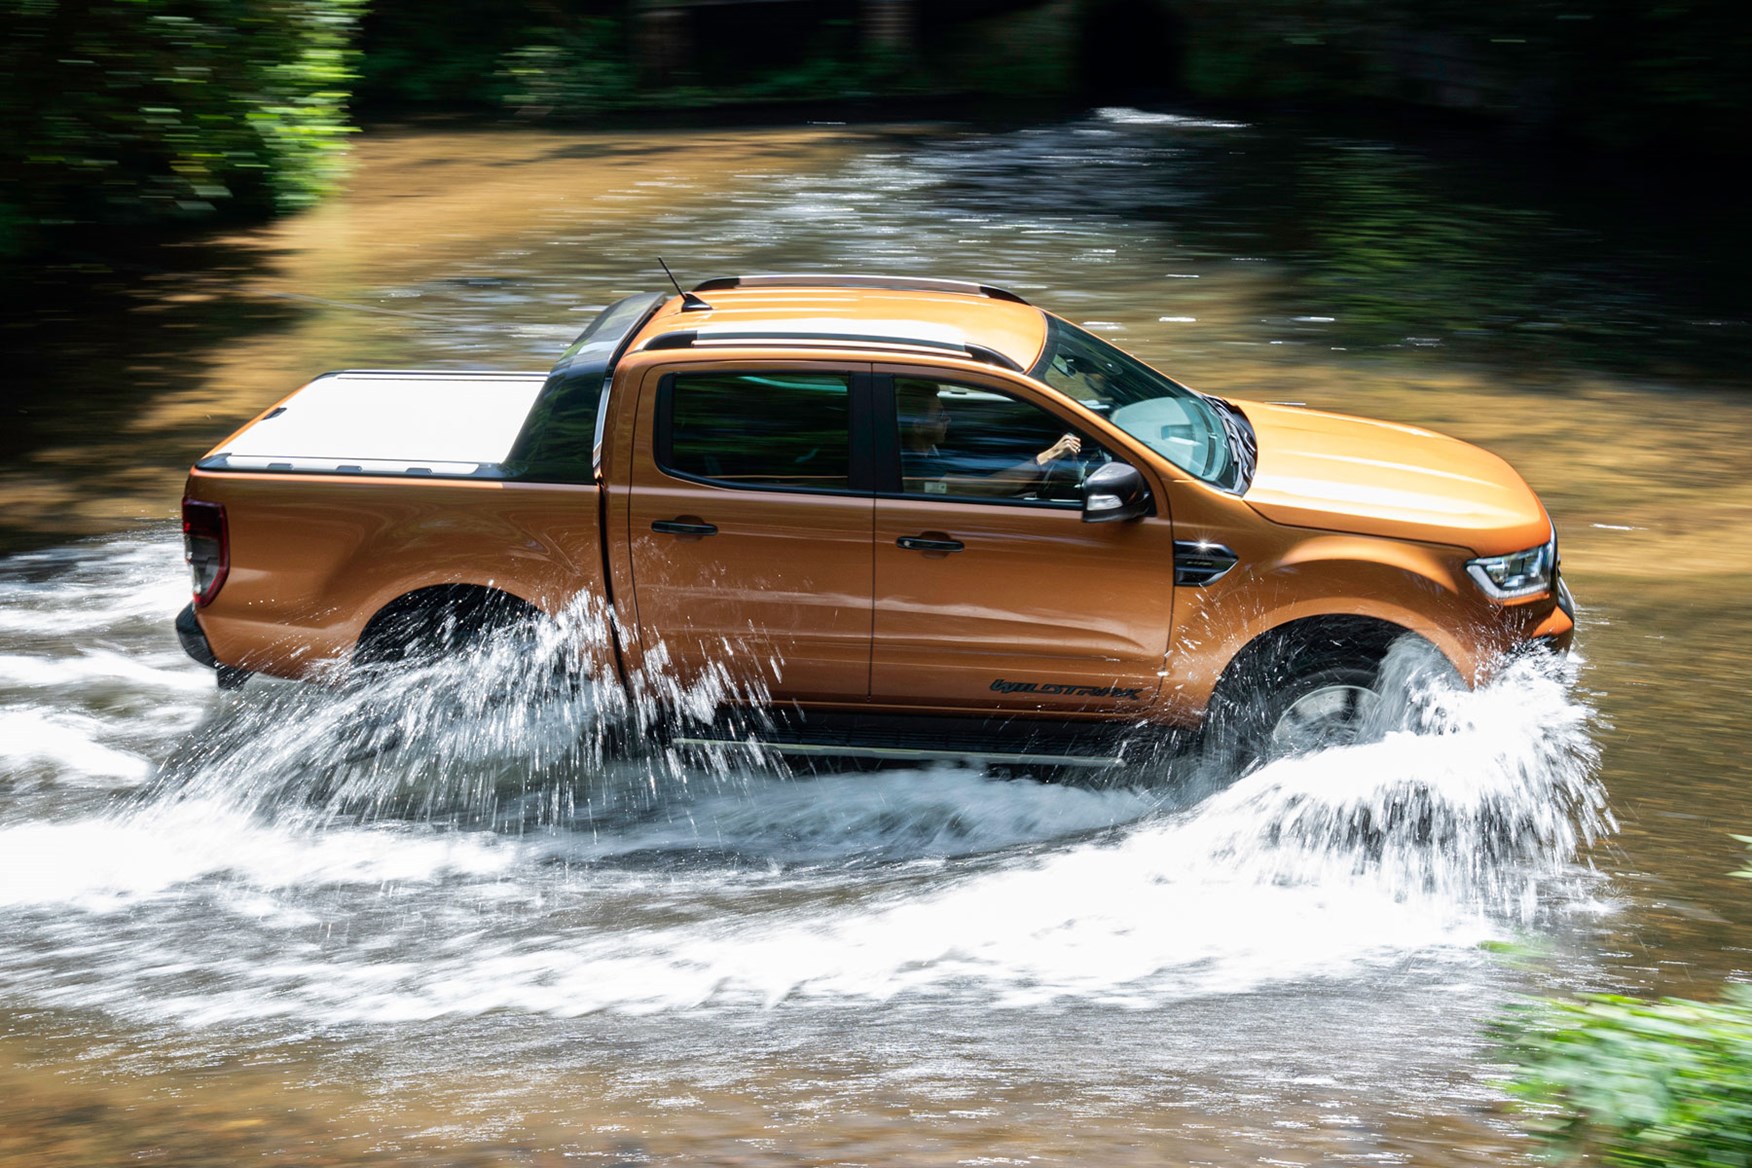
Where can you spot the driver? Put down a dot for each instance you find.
(924, 422)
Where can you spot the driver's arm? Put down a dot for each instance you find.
(1069, 444)
(1018, 478)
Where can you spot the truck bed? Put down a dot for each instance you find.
(387, 422)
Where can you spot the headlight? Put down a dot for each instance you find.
(1518, 574)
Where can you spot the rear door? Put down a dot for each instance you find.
(751, 511)
(991, 591)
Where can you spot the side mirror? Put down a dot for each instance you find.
(1113, 491)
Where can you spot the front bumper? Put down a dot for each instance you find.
(1556, 631)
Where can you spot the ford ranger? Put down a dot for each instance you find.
(930, 518)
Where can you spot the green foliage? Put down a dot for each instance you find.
(136, 111)
(1026, 54)
(818, 79)
(578, 70)
(1280, 48)
(443, 53)
(1639, 1083)
(1634, 1083)
(584, 68)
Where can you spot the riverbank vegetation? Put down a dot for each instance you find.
(1638, 1084)
(140, 113)
(1641, 1084)
(133, 113)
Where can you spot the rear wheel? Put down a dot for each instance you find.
(482, 646)
(467, 690)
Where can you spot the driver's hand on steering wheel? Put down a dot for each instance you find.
(1069, 444)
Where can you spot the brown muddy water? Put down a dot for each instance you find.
(517, 953)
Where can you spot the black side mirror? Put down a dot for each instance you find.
(1113, 491)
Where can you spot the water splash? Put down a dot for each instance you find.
(513, 731)
(1472, 798)
(472, 835)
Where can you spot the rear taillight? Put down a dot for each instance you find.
(206, 547)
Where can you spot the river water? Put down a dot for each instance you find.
(424, 924)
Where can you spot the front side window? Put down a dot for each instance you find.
(770, 430)
(966, 442)
(1198, 434)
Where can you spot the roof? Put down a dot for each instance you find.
(790, 311)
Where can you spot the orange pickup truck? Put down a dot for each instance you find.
(926, 517)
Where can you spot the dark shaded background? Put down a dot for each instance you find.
(164, 112)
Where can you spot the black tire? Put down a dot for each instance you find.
(1293, 700)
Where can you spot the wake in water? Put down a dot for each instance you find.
(477, 834)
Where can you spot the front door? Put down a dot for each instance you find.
(991, 590)
(750, 527)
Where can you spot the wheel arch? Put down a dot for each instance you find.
(1280, 668)
(1326, 634)
(1318, 586)
(418, 614)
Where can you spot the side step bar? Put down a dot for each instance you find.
(997, 741)
(920, 754)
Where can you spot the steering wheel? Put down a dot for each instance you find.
(1064, 476)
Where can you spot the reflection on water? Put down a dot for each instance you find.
(462, 923)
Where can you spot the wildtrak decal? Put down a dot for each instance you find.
(1077, 691)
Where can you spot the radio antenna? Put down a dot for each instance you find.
(689, 302)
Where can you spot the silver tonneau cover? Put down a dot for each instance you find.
(388, 422)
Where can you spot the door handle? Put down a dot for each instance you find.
(919, 543)
(683, 527)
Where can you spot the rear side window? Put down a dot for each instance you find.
(771, 430)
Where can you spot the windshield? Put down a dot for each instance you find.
(1183, 426)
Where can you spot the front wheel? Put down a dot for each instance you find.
(1293, 702)
(1331, 707)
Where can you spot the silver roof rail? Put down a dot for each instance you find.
(833, 280)
(688, 338)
